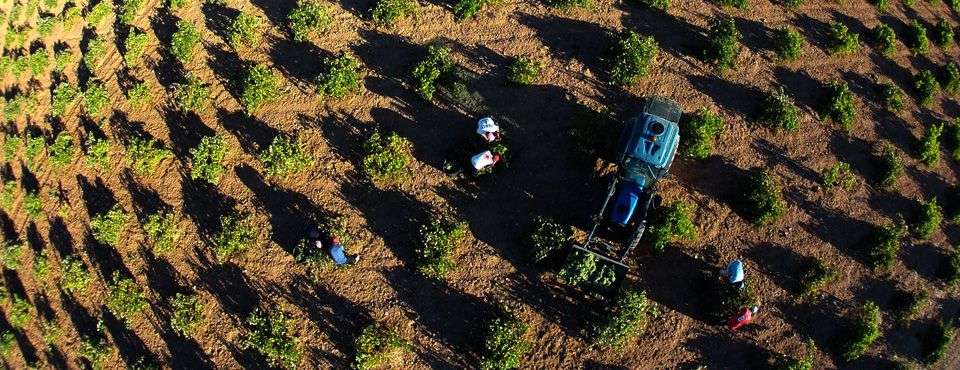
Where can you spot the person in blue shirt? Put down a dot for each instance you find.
(735, 274)
(336, 250)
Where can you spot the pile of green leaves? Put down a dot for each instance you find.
(894, 99)
(633, 57)
(97, 152)
(64, 95)
(191, 96)
(62, 151)
(95, 99)
(245, 30)
(723, 44)
(74, 276)
(387, 158)
(135, 45)
(439, 238)
(701, 129)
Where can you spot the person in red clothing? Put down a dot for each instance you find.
(742, 318)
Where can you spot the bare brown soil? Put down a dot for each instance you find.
(445, 320)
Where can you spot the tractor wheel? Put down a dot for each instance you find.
(636, 235)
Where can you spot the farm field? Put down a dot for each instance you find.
(165, 161)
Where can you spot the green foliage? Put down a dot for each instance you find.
(723, 44)
(378, 346)
(187, 313)
(39, 61)
(162, 231)
(886, 38)
(816, 277)
(930, 145)
(308, 18)
(33, 205)
(672, 224)
(842, 40)
(894, 99)
(806, 362)
(739, 4)
(95, 99)
(840, 107)
(96, 49)
(63, 59)
(207, 162)
(938, 342)
(11, 252)
(917, 38)
(630, 318)
(387, 158)
(9, 195)
(129, 11)
(138, 96)
(11, 144)
(245, 30)
(7, 341)
(913, 306)
(177, 4)
(882, 5)
(779, 111)
(839, 175)
(64, 95)
(41, 267)
(886, 243)
(191, 96)
(787, 44)
(388, 12)
(45, 25)
(466, 9)
(236, 235)
(505, 342)
(701, 129)
(145, 154)
(99, 12)
(926, 86)
(95, 351)
(98, 152)
(764, 199)
(135, 45)
(524, 71)
(285, 156)
(270, 335)
(943, 34)
(108, 227)
(62, 151)
(260, 86)
(50, 332)
(74, 276)
(567, 4)
(184, 41)
(125, 299)
(341, 78)
(953, 268)
(34, 148)
(634, 55)
(431, 70)
(866, 332)
(951, 78)
(547, 236)
(928, 219)
(581, 268)
(439, 238)
(662, 5)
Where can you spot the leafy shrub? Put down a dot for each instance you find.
(661, 5)
(74, 276)
(839, 175)
(39, 61)
(701, 130)
(191, 96)
(764, 199)
(894, 99)
(917, 38)
(567, 4)
(139, 96)
(96, 49)
(34, 148)
(466, 9)
(271, 336)
(245, 30)
(938, 342)
(842, 41)
(630, 318)
(177, 4)
(951, 78)
(129, 10)
(99, 12)
(886, 244)
(634, 57)
(546, 237)
(20, 314)
(64, 95)
(162, 231)
(926, 86)
(505, 342)
(207, 163)
(236, 235)
(779, 111)
(62, 151)
(378, 346)
(9, 194)
(50, 332)
(817, 276)
(439, 238)
(943, 34)
(739, 4)
(184, 41)
(187, 313)
(95, 99)
(285, 156)
(882, 5)
(388, 12)
(7, 341)
(787, 44)
(913, 305)
(109, 226)
(953, 268)
(11, 144)
(260, 86)
(33, 205)
(891, 166)
(928, 219)
(98, 152)
(867, 331)
(41, 267)
(930, 145)
(135, 45)
(840, 107)
(342, 77)
(672, 224)
(95, 351)
(524, 71)
(308, 18)
(125, 299)
(11, 252)
(581, 268)
(45, 25)
(144, 155)
(431, 70)
(799, 363)
(387, 158)
(885, 38)
(723, 44)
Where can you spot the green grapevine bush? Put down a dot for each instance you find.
(260, 86)
(788, 44)
(505, 342)
(632, 312)
(125, 298)
(764, 199)
(162, 231)
(672, 224)
(866, 332)
(439, 239)
(108, 227)
(839, 106)
(270, 335)
(245, 30)
(207, 162)
(634, 57)
(524, 71)
(184, 41)
(285, 156)
(723, 45)
(547, 236)
(930, 145)
(308, 18)
(842, 40)
(886, 38)
(144, 155)
(341, 78)
(886, 243)
(187, 313)
(378, 346)
(779, 111)
(388, 158)
(236, 235)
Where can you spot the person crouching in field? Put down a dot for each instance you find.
(492, 152)
(335, 250)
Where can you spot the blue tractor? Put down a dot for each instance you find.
(647, 147)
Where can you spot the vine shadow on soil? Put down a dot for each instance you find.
(819, 320)
(784, 266)
(739, 98)
(728, 351)
(834, 227)
(253, 134)
(130, 347)
(291, 213)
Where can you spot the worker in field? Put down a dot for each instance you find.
(735, 274)
(742, 318)
(485, 160)
(336, 250)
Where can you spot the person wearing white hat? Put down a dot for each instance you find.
(488, 129)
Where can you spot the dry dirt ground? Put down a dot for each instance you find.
(444, 320)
